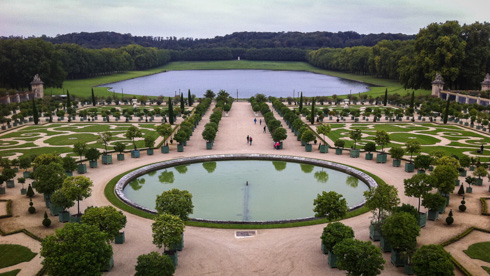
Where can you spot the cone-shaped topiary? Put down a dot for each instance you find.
(461, 190)
(31, 209)
(46, 220)
(462, 207)
(450, 219)
(30, 191)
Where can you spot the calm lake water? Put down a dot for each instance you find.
(276, 190)
(247, 82)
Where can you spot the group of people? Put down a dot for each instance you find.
(249, 140)
(277, 145)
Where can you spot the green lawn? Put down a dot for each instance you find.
(486, 268)
(10, 273)
(480, 251)
(82, 87)
(12, 254)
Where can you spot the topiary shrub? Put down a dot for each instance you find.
(30, 191)
(46, 220)
(462, 207)
(450, 219)
(461, 190)
(31, 209)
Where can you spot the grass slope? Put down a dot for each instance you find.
(82, 87)
(12, 254)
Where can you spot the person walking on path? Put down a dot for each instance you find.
(250, 140)
(260, 121)
(264, 129)
(255, 120)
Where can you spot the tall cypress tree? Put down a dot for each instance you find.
(312, 120)
(446, 114)
(182, 105)
(189, 97)
(68, 102)
(170, 111)
(386, 97)
(412, 101)
(301, 102)
(93, 97)
(35, 114)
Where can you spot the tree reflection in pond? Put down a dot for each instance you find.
(137, 183)
(182, 169)
(209, 166)
(307, 168)
(321, 176)
(279, 165)
(352, 181)
(166, 177)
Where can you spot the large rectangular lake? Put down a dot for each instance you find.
(246, 82)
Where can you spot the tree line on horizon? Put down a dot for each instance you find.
(461, 54)
(259, 40)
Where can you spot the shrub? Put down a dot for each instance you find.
(46, 220)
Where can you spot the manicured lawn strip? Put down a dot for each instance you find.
(456, 144)
(405, 137)
(85, 128)
(111, 196)
(480, 251)
(37, 151)
(486, 268)
(70, 139)
(450, 151)
(26, 145)
(10, 273)
(397, 127)
(12, 254)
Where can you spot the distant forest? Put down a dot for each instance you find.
(460, 53)
(259, 40)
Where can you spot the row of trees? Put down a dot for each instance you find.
(461, 54)
(301, 40)
(22, 59)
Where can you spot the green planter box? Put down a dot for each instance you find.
(422, 219)
(2, 190)
(354, 153)
(397, 258)
(10, 183)
(55, 210)
(303, 143)
(149, 151)
(442, 209)
(462, 173)
(165, 149)
(120, 238)
(469, 190)
(93, 163)
(75, 218)
(178, 246)
(478, 182)
(23, 191)
(135, 154)
(69, 173)
(180, 148)
(106, 159)
(323, 148)
(64, 216)
(420, 171)
(338, 151)
(457, 182)
(369, 156)
(409, 167)
(109, 265)
(397, 162)
(120, 156)
(374, 234)
(408, 269)
(324, 250)
(308, 147)
(472, 168)
(184, 143)
(173, 256)
(82, 168)
(385, 245)
(433, 214)
(332, 259)
(381, 157)
(209, 145)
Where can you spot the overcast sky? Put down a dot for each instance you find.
(210, 18)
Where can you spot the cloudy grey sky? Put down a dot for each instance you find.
(209, 18)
